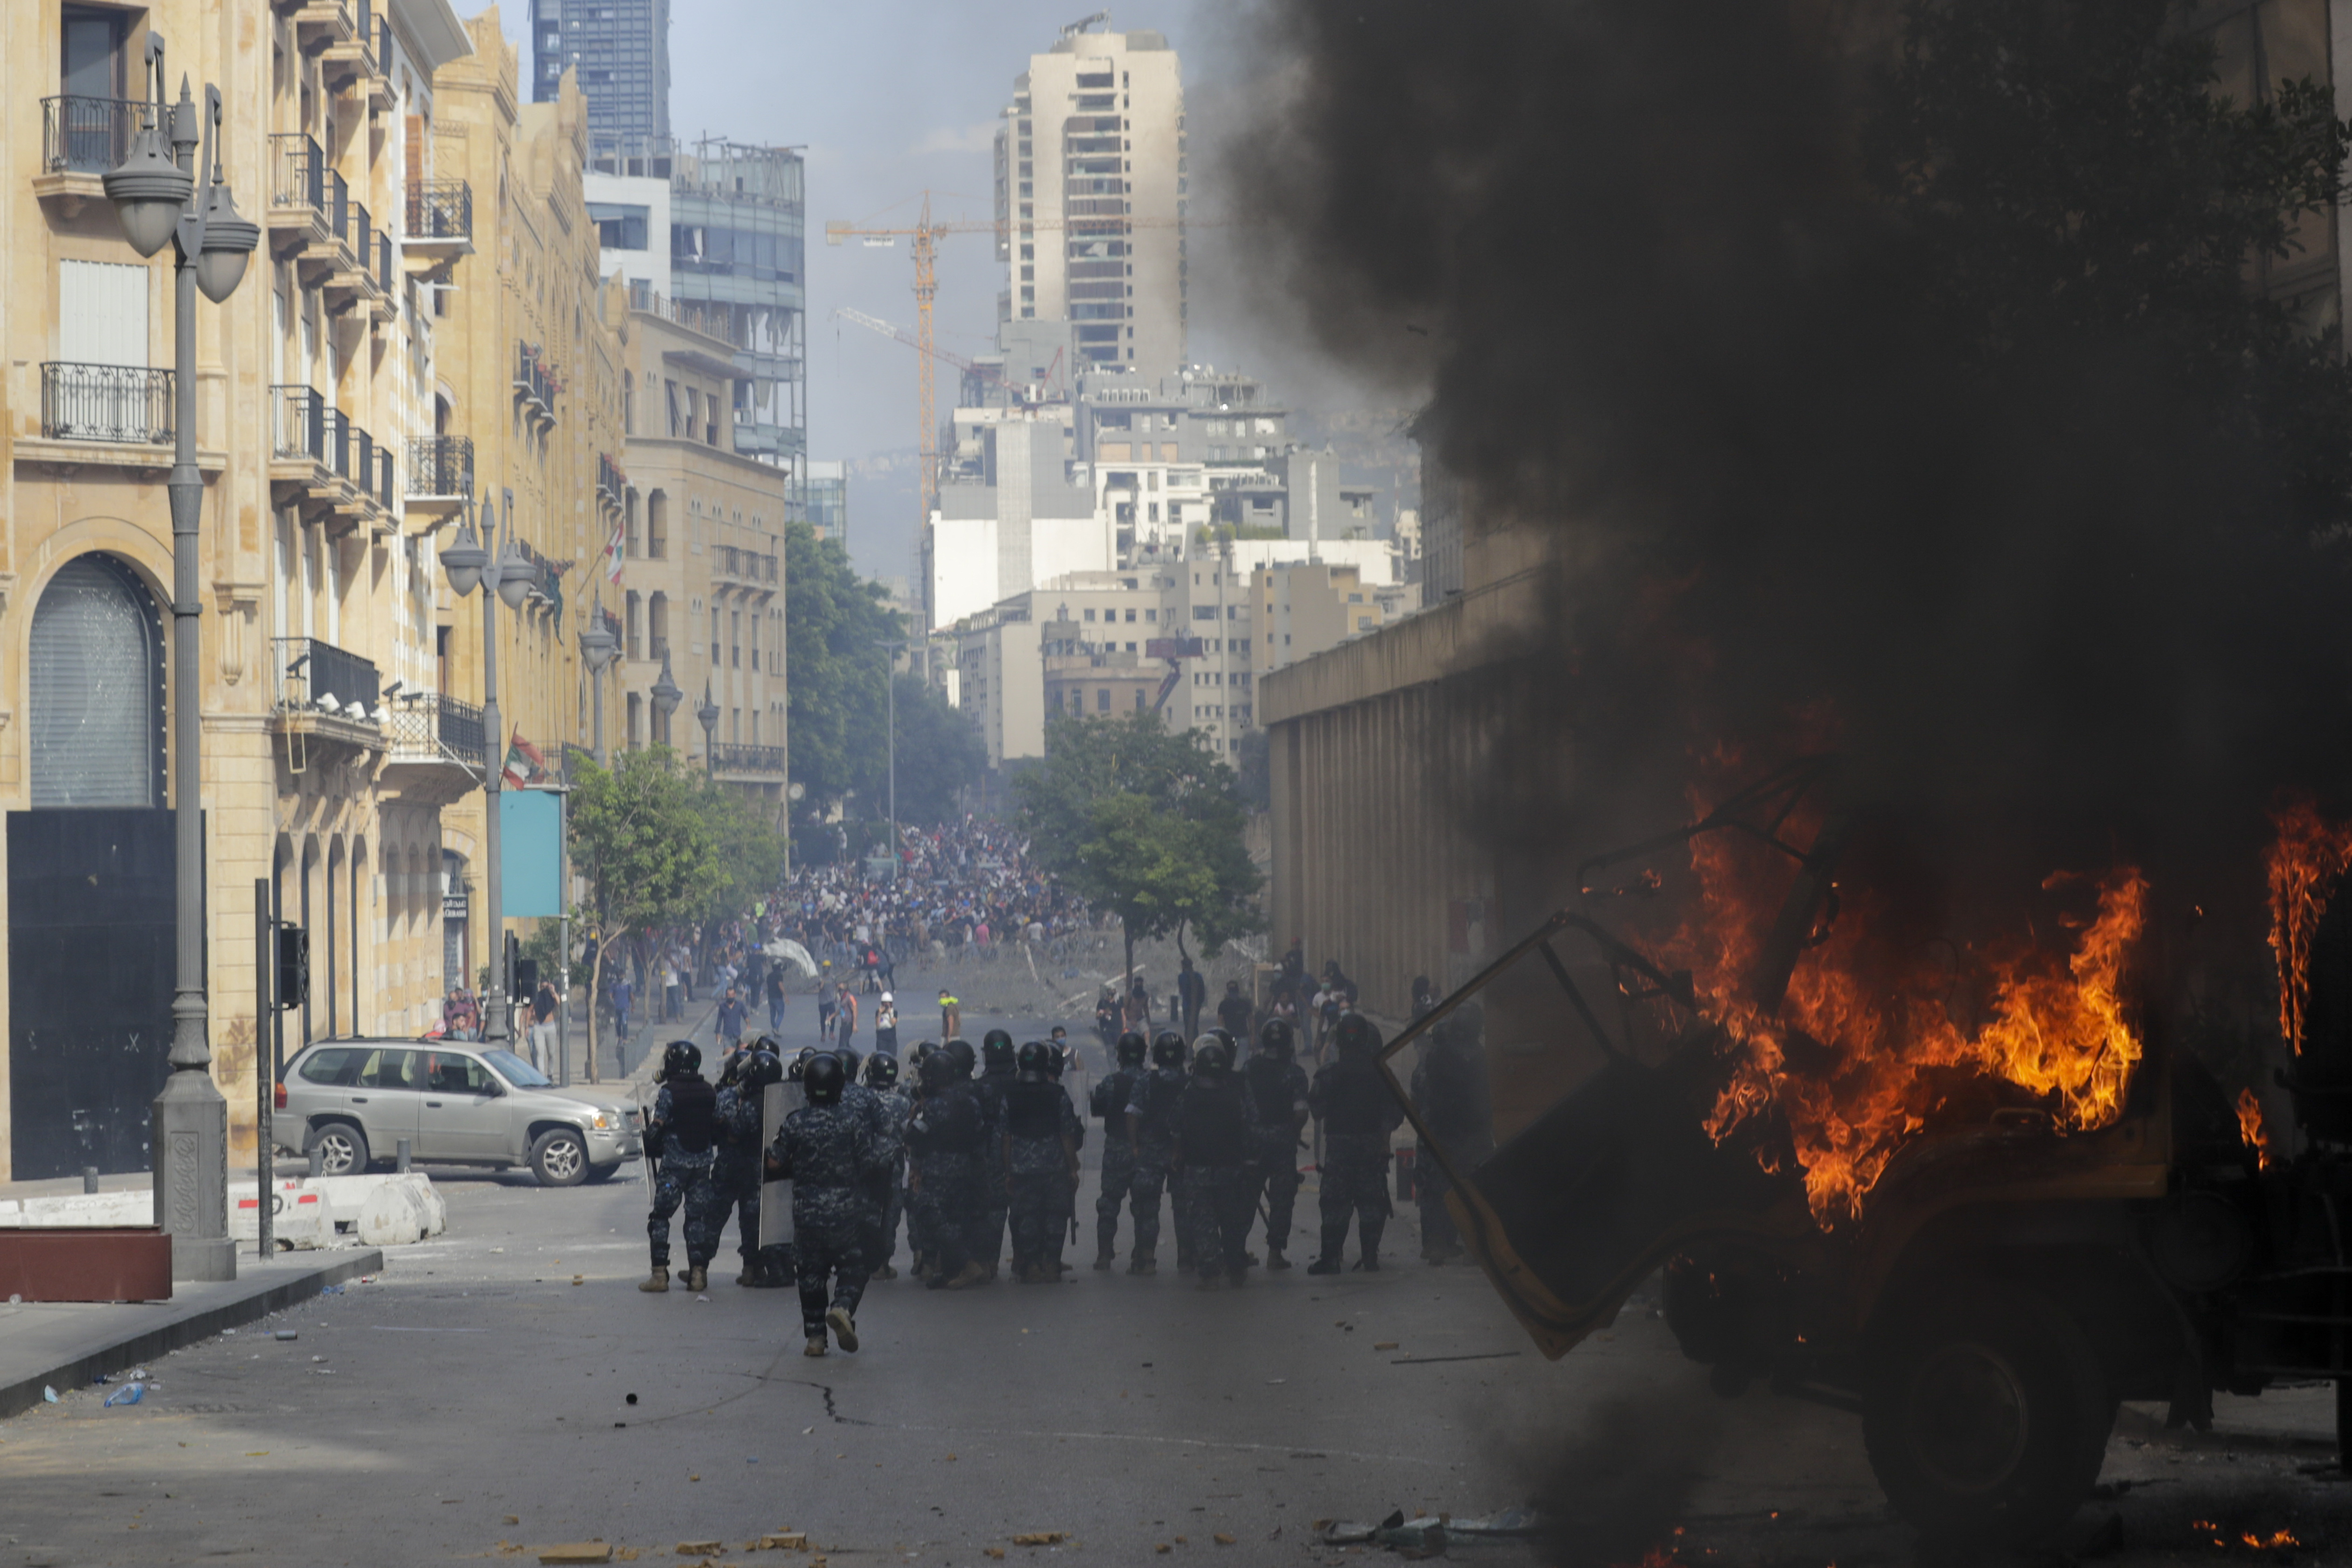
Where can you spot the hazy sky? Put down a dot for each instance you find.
(890, 97)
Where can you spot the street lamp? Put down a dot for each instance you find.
(509, 576)
(667, 697)
(597, 645)
(890, 708)
(156, 199)
(708, 715)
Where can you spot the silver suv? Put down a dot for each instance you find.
(457, 1103)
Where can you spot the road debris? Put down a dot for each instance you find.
(577, 1552)
(785, 1540)
(700, 1548)
(1040, 1538)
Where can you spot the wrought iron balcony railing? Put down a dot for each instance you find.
(440, 210)
(298, 421)
(298, 172)
(88, 135)
(431, 726)
(130, 405)
(441, 465)
(318, 676)
(729, 759)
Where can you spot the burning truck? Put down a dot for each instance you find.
(1975, 1188)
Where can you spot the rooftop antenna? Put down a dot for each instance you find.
(1083, 22)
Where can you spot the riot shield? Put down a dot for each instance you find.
(777, 1102)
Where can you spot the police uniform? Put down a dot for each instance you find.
(993, 1203)
(889, 1177)
(1153, 1105)
(946, 1137)
(1449, 1089)
(827, 1153)
(686, 1113)
(874, 1195)
(735, 1175)
(1279, 1107)
(1038, 1154)
(1215, 1119)
(1351, 1100)
(1109, 1103)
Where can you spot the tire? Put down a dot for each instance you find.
(343, 1147)
(599, 1175)
(559, 1158)
(1987, 1415)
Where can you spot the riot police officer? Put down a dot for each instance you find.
(994, 1200)
(1449, 1089)
(1041, 1161)
(684, 1135)
(735, 1170)
(1357, 1114)
(1151, 1130)
(888, 1182)
(947, 1136)
(1215, 1160)
(1108, 1103)
(825, 1150)
(1277, 1088)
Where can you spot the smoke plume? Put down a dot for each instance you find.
(2051, 611)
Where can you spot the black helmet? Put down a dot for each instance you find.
(1233, 1046)
(731, 1069)
(1276, 1039)
(849, 1061)
(770, 1044)
(823, 1079)
(804, 1054)
(996, 1052)
(881, 1072)
(958, 1056)
(1058, 1056)
(1212, 1057)
(1131, 1048)
(993, 1039)
(760, 1069)
(680, 1059)
(1032, 1060)
(1167, 1048)
(1356, 1036)
(935, 1069)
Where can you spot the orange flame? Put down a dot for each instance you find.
(1864, 1047)
(2249, 1124)
(2278, 1541)
(2310, 854)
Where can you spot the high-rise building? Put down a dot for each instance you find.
(621, 48)
(1090, 190)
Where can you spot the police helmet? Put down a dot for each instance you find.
(993, 1037)
(1131, 1048)
(682, 1059)
(850, 1061)
(881, 1072)
(1058, 1056)
(1031, 1060)
(1233, 1046)
(934, 1070)
(1356, 1036)
(1167, 1048)
(1276, 1039)
(770, 1044)
(958, 1056)
(823, 1079)
(760, 1069)
(996, 1052)
(1212, 1057)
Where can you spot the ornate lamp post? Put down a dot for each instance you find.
(157, 200)
(667, 697)
(597, 645)
(509, 576)
(707, 716)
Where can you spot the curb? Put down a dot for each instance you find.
(2140, 1426)
(201, 1323)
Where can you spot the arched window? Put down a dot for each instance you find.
(656, 626)
(633, 625)
(97, 688)
(656, 525)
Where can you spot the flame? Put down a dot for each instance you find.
(2278, 1541)
(2310, 854)
(2249, 1124)
(1863, 1049)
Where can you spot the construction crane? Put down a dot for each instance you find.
(900, 334)
(926, 234)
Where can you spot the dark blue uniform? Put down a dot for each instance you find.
(1109, 1103)
(685, 1116)
(735, 1173)
(1153, 1105)
(1278, 1101)
(826, 1152)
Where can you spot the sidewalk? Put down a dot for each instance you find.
(64, 1345)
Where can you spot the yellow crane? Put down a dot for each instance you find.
(927, 234)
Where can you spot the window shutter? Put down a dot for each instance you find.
(96, 689)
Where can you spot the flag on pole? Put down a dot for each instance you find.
(613, 555)
(525, 765)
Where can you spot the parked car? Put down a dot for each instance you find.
(457, 1103)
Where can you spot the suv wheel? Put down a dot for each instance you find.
(559, 1158)
(1987, 1415)
(342, 1149)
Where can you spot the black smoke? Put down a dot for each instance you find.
(2056, 605)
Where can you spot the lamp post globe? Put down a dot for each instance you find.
(149, 190)
(229, 243)
(597, 644)
(707, 716)
(463, 562)
(667, 697)
(518, 575)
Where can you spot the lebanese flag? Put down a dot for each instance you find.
(613, 555)
(524, 763)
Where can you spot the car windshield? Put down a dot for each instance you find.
(518, 1071)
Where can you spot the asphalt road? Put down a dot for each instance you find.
(475, 1398)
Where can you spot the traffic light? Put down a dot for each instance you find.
(526, 979)
(293, 966)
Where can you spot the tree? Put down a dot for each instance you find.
(940, 755)
(832, 622)
(1142, 823)
(643, 838)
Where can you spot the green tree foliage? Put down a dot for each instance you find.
(1142, 823)
(832, 619)
(644, 839)
(941, 754)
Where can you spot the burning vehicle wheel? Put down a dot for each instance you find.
(1987, 1416)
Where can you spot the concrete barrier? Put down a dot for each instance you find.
(402, 1209)
(309, 1212)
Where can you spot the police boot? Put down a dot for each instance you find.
(845, 1332)
(1102, 1260)
(974, 1273)
(815, 1346)
(1372, 1261)
(697, 1279)
(750, 1274)
(1142, 1263)
(1334, 1240)
(1275, 1261)
(657, 1282)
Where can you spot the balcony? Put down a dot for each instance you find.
(533, 387)
(81, 138)
(436, 748)
(748, 761)
(731, 567)
(440, 476)
(440, 227)
(612, 485)
(327, 701)
(123, 405)
(328, 467)
(319, 25)
(363, 56)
